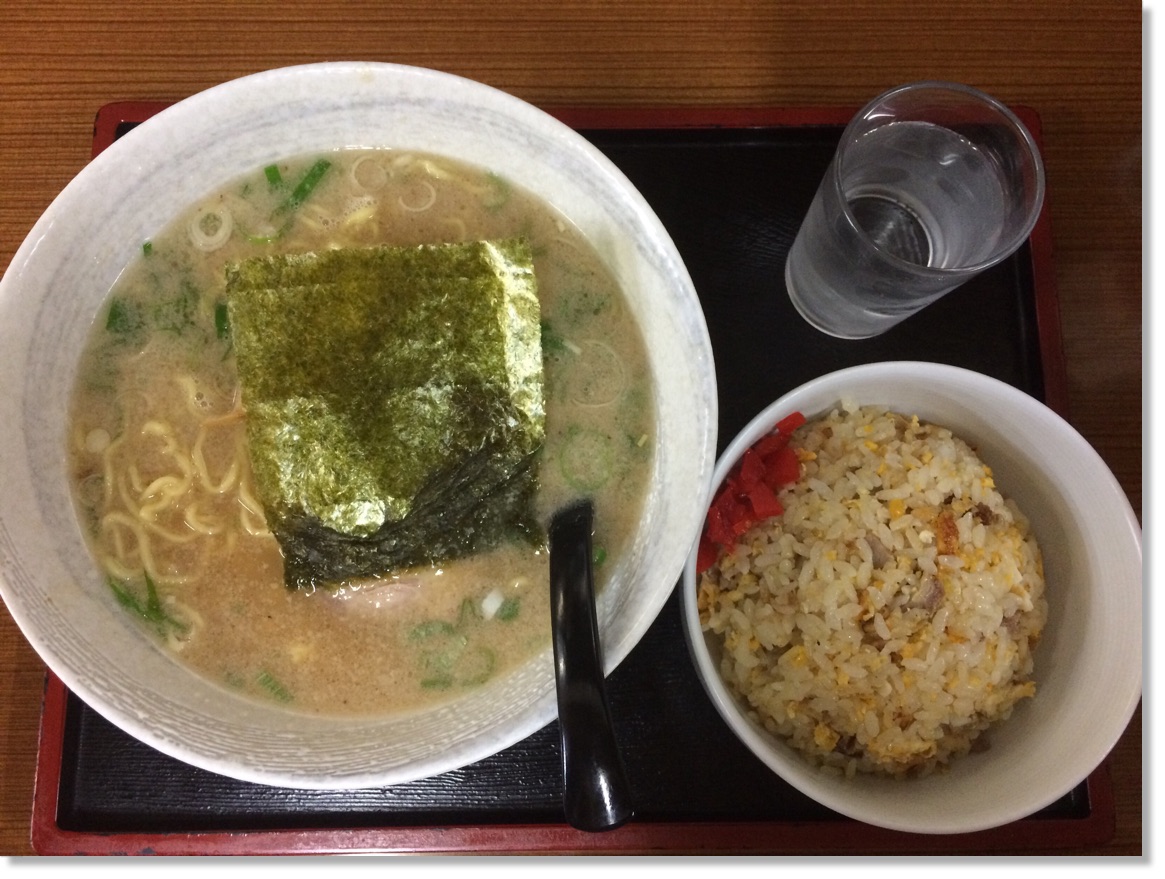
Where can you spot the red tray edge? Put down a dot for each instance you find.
(789, 838)
(837, 838)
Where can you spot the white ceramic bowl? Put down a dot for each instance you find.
(1088, 662)
(55, 286)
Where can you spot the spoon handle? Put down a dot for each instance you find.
(596, 794)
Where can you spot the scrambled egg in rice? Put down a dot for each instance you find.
(888, 618)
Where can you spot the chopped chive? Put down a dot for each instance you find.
(499, 192)
(153, 602)
(177, 313)
(447, 659)
(429, 629)
(123, 318)
(306, 185)
(125, 598)
(147, 248)
(599, 556)
(466, 613)
(586, 459)
(222, 320)
(552, 342)
(268, 682)
(274, 178)
(151, 611)
(508, 609)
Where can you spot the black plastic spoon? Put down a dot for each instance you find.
(596, 794)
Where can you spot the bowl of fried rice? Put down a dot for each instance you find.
(917, 598)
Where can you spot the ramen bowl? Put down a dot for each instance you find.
(1087, 661)
(54, 290)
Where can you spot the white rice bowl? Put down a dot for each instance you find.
(1087, 662)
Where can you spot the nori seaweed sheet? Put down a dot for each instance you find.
(394, 402)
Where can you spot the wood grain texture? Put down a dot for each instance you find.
(1078, 65)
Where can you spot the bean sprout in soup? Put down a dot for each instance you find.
(164, 487)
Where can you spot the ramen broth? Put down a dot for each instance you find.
(164, 488)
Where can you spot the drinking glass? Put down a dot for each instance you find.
(932, 183)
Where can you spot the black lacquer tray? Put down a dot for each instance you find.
(731, 186)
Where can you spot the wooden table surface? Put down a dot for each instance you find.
(1077, 64)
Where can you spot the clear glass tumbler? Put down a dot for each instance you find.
(931, 183)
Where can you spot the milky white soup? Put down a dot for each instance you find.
(164, 487)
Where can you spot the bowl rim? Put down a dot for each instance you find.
(789, 765)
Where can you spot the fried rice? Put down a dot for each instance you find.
(888, 618)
